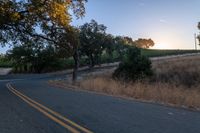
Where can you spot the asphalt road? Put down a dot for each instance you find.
(29, 105)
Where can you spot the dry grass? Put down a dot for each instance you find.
(156, 92)
(182, 71)
(175, 82)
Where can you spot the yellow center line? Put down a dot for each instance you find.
(40, 107)
(47, 114)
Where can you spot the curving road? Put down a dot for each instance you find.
(29, 105)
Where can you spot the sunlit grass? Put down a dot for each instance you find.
(175, 82)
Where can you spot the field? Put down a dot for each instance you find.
(175, 82)
(156, 53)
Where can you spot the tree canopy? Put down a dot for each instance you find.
(24, 20)
(48, 21)
(144, 43)
(92, 39)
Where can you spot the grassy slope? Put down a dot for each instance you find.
(155, 53)
(175, 82)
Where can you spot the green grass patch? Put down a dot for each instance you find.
(157, 53)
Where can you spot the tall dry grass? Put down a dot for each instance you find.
(184, 71)
(175, 81)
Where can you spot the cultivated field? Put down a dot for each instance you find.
(162, 52)
(175, 82)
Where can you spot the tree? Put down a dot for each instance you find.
(133, 66)
(144, 43)
(198, 25)
(128, 40)
(92, 40)
(32, 20)
(21, 57)
(198, 37)
(109, 44)
(35, 58)
(121, 46)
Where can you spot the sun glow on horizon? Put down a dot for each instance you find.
(167, 41)
(162, 46)
(169, 46)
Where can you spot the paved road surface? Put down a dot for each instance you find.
(29, 106)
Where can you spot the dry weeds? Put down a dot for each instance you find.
(182, 71)
(175, 82)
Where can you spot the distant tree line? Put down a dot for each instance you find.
(93, 43)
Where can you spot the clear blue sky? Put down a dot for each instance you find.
(170, 23)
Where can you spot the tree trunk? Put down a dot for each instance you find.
(91, 61)
(25, 68)
(76, 65)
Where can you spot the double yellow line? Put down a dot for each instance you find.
(55, 116)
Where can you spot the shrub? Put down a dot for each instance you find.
(133, 67)
(5, 62)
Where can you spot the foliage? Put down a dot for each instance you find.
(140, 43)
(144, 43)
(109, 44)
(34, 58)
(133, 67)
(120, 46)
(22, 20)
(35, 21)
(92, 41)
(5, 62)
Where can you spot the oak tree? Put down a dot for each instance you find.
(144, 43)
(92, 38)
(22, 21)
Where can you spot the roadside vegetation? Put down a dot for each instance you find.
(133, 66)
(175, 82)
(94, 47)
(5, 62)
(50, 62)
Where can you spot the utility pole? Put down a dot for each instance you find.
(195, 39)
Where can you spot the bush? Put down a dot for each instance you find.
(32, 59)
(5, 62)
(133, 67)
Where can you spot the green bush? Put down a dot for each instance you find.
(5, 62)
(133, 67)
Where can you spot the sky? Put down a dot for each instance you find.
(170, 23)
